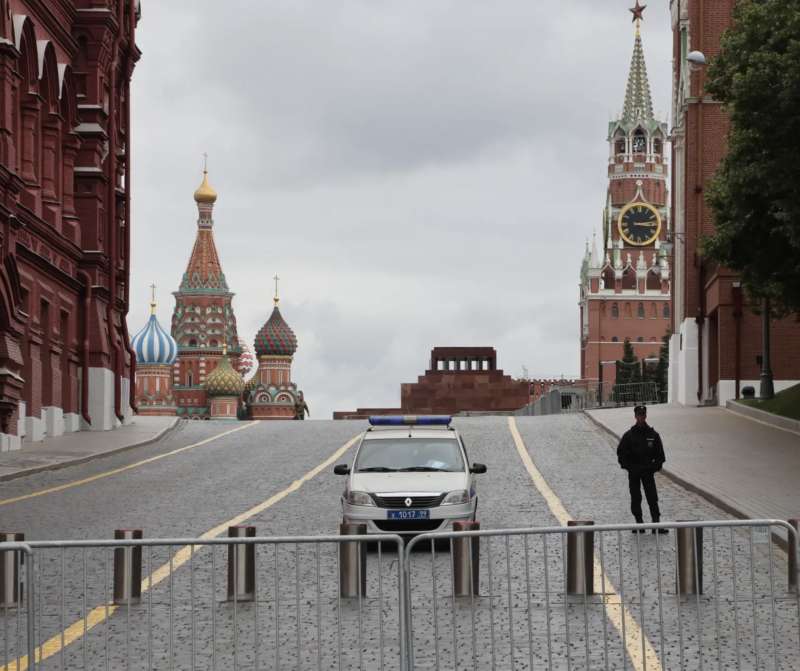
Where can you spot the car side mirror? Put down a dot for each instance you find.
(341, 469)
(478, 468)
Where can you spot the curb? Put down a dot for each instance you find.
(708, 496)
(82, 460)
(764, 417)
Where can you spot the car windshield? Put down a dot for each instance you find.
(387, 455)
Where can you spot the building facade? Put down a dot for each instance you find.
(65, 357)
(716, 345)
(625, 287)
(203, 321)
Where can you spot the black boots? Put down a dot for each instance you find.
(659, 531)
(639, 531)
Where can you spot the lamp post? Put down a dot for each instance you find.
(767, 388)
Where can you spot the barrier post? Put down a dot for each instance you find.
(353, 562)
(128, 568)
(241, 565)
(11, 592)
(580, 559)
(791, 550)
(689, 568)
(466, 560)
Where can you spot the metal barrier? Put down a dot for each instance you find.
(522, 614)
(184, 620)
(525, 614)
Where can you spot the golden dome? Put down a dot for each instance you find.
(223, 380)
(204, 193)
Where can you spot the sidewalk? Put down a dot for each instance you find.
(749, 469)
(74, 448)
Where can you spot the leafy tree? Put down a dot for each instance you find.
(628, 371)
(755, 194)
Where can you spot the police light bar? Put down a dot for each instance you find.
(410, 420)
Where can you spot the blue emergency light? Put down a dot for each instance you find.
(410, 420)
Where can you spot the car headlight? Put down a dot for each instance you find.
(458, 496)
(359, 499)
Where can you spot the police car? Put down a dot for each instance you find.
(410, 474)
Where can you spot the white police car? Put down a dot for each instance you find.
(410, 475)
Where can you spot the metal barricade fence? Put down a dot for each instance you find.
(707, 595)
(187, 617)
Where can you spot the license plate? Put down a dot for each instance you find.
(409, 514)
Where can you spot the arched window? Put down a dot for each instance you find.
(193, 342)
(653, 311)
(653, 281)
(614, 339)
(640, 339)
(619, 145)
(608, 278)
(640, 311)
(629, 279)
(627, 310)
(639, 145)
(666, 310)
(658, 146)
(614, 311)
(189, 378)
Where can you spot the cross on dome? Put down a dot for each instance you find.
(276, 300)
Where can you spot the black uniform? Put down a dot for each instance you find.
(641, 453)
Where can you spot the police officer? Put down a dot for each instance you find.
(641, 453)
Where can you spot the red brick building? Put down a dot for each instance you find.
(65, 138)
(459, 379)
(625, 279)
(716, 346)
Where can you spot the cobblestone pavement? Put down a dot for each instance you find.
(519, 620)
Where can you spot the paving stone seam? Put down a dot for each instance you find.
(24, 472)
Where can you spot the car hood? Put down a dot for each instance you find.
(385, 483)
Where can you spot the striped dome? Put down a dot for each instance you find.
(223, 380)
(153, 345)
(275, 337)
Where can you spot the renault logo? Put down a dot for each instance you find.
(408, 501)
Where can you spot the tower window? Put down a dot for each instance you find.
(658, 146)
(639, 142)
(619, 145)
(640, 311)
(666, 310)
(615, 311)
(614, 339)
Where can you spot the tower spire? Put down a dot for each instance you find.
(152, 299)
(638, 102)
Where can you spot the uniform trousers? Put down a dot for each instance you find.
(646, 479)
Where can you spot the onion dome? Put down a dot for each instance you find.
(153, 345)
(223, 380)
(275, 337)
(252, 383)
(204, 193)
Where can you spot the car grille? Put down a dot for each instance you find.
(391, 526)
(400, 501)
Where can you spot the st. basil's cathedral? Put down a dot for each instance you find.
(195, 372)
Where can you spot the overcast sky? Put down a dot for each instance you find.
(418, 172)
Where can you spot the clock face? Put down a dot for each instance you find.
(639, 224)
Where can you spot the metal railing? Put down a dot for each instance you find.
(654, 601)
(188, 617)
(707, 595)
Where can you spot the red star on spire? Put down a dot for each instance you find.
(637, 11)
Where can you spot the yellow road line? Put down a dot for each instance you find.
(640, 651)
(121, 469)
(99, 614)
